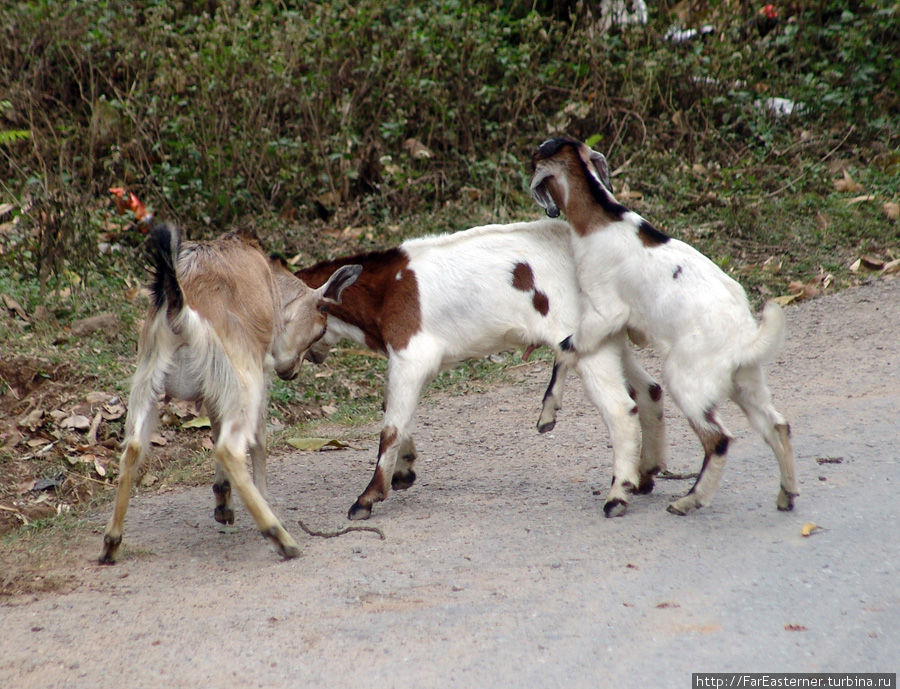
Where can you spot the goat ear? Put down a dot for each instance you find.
(540, 193)
(340, 280)
(598, 160)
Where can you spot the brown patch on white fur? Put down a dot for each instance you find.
(523, 280)
(523, 277)
(385, 289)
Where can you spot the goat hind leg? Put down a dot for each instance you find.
(647, 393)
(604, 382)
(404, 474)
(406, 379)
(223, 512)
(231, 453)
(752, 395)
(715, 439)
(140, 423)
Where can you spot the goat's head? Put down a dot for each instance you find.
(556, 163)
(304, 313)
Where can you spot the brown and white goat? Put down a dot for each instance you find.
(635, 277)
(435, 301)
(222, 314)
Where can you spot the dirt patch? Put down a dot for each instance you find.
(59, 440)
(498, 567)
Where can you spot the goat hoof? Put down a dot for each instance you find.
(288, 552)
(110, 548)
(683, 506)
(546, 427)
(645, 485)
(285, 545)
(615, 507)
(358, 512)
(785, 501)
(224, 515)
(402, 481)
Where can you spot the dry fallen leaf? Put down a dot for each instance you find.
(15, 307)
(809, 529)
(315, 444)
(32, 420)
(76, 422)
(795, 628)
(891, 267)
(199, 422)
(848, 184)
(891, 210)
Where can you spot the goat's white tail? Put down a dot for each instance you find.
(769, 338)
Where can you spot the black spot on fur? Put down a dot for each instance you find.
(655, 392)
(566, 345)
(676, 273)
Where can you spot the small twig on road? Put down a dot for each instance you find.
(340, 532)
(677, 477)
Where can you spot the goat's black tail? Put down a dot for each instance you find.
(165, 245)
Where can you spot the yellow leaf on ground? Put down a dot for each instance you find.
(315, 444)
(786, 299)
(199, 422)
(809, 529)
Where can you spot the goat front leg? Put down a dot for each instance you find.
(407, 376)
(603, 377)
(553, 397)
(231, 453)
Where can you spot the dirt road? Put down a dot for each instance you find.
(498, 568)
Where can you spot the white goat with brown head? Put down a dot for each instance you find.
(637, 278)
(435, 301)
(222, 315)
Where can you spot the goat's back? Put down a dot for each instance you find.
(229, 284)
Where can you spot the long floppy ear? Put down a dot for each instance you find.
(540, 193)
(598, 160)
(340, 280)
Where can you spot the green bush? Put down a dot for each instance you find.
(219, 113)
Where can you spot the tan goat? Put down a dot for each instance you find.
(222, 315)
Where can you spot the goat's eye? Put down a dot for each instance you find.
(323, 308)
